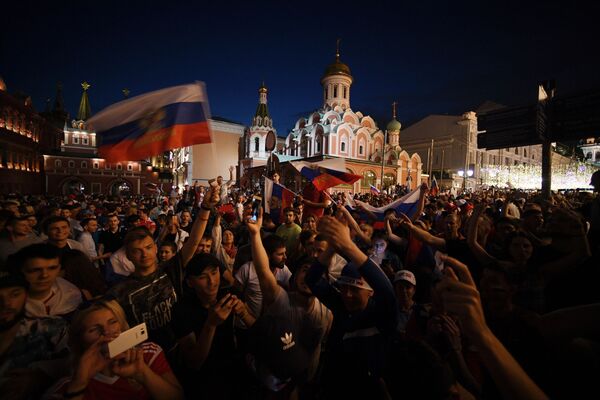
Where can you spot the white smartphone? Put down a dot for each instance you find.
(128, 339)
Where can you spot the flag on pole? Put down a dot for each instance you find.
(152, 123)
(407, 205)
(435, 189)
(277, 198)
(374, 190)
(327, 173)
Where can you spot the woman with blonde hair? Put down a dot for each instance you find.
(138, 373)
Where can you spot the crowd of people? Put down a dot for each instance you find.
(486, 294)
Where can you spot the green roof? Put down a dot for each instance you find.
(262, 111)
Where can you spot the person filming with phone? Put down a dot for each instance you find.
(137, 373)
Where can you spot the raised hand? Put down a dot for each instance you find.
(92, 361)
(461, 298)
(336, 232)
(254, 226)
(130, 364)
(212, 198)
(218, 313)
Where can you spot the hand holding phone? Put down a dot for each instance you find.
(128, 339)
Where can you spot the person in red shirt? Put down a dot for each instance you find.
(138, 373)
(315, 202)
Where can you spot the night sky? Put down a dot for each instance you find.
(431, 58)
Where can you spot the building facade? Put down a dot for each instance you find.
(337, 131)
(448, 146)
(590, 148)
(24, 136)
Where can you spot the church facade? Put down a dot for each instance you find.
(335, 130)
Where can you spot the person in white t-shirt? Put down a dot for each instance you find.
(247, 281)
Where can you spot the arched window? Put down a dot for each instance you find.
(368, 179)
(597, 156)
(129, 167)
(58, 163)
(96, 165)
(345, 92)
(319, 141)
(71, 164)
(524, 152)
(361, 149)
(588, 156)
(119, 167)
(84, 164)
(516, 150)
(335, 91)
(256, 144)
(343, 146)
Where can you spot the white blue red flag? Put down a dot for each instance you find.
(327, 173)
(407, 205)
(435, 189)
(152, 123)
(277, 198)
(374, 190)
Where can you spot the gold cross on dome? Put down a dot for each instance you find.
(85, 85)
(394, 104)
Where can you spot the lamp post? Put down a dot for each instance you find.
(461, 173)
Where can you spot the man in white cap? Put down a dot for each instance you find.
(405, 285)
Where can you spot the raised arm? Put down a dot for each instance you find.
(478, 251)
(217, 234)
(422, 235)
(461, 298)
(190, 246)
(268, 283)
(352, 224)
(392, 237)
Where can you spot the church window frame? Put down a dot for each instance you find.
(84, 165)
(75, 140)
(335, 91)
(256, 144)
(71, 164)
(85, 140)
(57, 164)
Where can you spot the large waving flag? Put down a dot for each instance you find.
(374, 190)
(277, 198)
(327, 173)
(152, 123)
(407, 205)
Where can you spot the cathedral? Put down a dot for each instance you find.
(333, 131)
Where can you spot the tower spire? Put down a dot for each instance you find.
(337, 50)
(394, 109)
(59, 102)
(85, 110)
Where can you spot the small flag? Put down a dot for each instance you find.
(327, 173)
(277, 198)
(435, 189)
(152, 123)
(374, 190)
(407, 205)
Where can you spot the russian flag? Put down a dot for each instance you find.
(152, 123)
(277, 198)
(327, 173)
(374, 190)
(407, 205)
(435, 189)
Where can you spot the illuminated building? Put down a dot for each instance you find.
(337, 131)
(24, 136)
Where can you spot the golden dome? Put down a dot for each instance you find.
(337, 68)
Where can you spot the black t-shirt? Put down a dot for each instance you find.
(190, 316)
(111, 241)
(151, 299)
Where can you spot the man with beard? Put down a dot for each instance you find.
(30, 348)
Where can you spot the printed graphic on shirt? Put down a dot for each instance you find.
(153, 303)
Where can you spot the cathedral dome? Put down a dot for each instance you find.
(393, 125)
(337, 68)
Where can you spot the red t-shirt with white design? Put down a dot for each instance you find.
(117, 388)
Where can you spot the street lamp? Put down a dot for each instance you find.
(462, 174)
